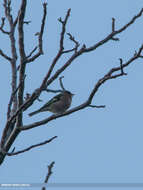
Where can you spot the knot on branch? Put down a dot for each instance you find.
(113, 30)
(121, 66)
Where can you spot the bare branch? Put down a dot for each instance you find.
(5, 56)
(60, 52)
(113, 24)
(30, 54)
(112, 34)
(87, 103)
(49, 79)
(75, 41)
(20, 30)
(71, 59)
(77, 54)
(113, 29)
(40, 37)
(61, 83)
(70, 50)
(29, 148)
(22, 57)
(121, 65)
(53, 91)
(63, 29)
(7, 7)
(48, 174)
(2, 26)
(94, 106)
(37, 92)
(16, 21)
(11, 99)
(74, 56)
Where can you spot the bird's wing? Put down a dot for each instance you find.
(53, 100)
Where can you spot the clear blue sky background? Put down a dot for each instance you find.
(93, 145)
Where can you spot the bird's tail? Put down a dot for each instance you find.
(33, 113)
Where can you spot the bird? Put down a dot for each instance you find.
(57, 105)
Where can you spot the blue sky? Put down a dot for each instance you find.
(93, 145)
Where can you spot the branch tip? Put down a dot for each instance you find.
(115, 39)
(113, 24)
(29, 148)
(61, 83)
(49, 173)
(121, 66)
(95, 106)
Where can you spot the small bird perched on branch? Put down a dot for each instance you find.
(58, 104)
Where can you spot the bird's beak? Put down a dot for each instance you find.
(72, 94)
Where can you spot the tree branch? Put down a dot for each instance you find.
(37, 92)
(82, 50)
(29, 148)
(44, 84)
(74, 41)
(60, 52)
(40, 37)
(95, 106)
(48, 79)
(87, 103)
(22, 57)
(7, 7)
(53, 91)
(2, 26)
(50, 167)
(113, 33)
(5, 56)
(61, 83)
(11, 100)
(31, 53)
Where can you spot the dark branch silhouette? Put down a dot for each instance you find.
(29, 148)
(20, 100)
(50, 167)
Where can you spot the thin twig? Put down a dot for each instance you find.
(29, 148)
(64, 22)
(69, 50)
(60, 52)
(112, 34)
(16, 20)
(2, 26)
(11, 99)
(113, 24)
(53, 91)
(37, 92)
(61, 83)
(94, 106)
(113, 29)
(5, 56)
(30, 54)
(75, 41)
(50, 167)
(8, 15)
(40, 37)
